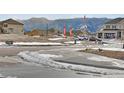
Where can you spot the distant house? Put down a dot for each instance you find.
(113, 29)
(11, 26)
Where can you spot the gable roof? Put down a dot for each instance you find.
(115, 21)
(12, 21)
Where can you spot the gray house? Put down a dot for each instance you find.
(11, 26)
(113, 29)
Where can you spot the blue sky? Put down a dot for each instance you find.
(57, 16)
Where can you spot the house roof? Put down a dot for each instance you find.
(11, 21)
(115, 21)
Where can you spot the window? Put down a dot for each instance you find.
(107, 26)
(109, 35)
(114, 27)
(5, 25)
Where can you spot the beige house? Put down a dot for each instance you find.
(11, 26)
(113, 29)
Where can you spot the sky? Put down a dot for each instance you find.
(57, 16)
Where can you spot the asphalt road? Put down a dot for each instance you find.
(71, 55)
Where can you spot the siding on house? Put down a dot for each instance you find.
(11, 26)
(112, 29)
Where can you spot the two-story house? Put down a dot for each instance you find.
(113, 29)
(11, 26)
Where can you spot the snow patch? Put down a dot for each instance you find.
(54, 39)
(46, 59)
(11, 77)
(2, 43)
(2, 76)
(72, 42)
(100, 58)
(115, 62)
(36, 43)
(111, 49)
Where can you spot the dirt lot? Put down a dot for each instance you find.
(107, 53)
(26, 38)
(21, 38)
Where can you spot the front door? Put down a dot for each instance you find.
(118, 34)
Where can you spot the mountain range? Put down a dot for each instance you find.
(93, 24)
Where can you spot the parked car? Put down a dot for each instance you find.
(82, 38)
(9, 42)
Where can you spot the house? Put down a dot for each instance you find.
(11, 26)
(113, 29)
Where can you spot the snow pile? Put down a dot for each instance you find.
(36, 43)
(46, 60)
(54, 39)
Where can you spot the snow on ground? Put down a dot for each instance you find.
(2, 43)
(36, 43)
(112, 41)
(54, 39)
(6, 46)
(116, 45)
(2, 76)
(100, 58)
(111, 49)
(31, 43)
(115, 62)
(46, 59)
(72, 42)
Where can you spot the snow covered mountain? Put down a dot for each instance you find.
(41, 23)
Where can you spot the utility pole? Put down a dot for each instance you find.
(46, 29)
(58, 33)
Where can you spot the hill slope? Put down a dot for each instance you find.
(41, 23)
